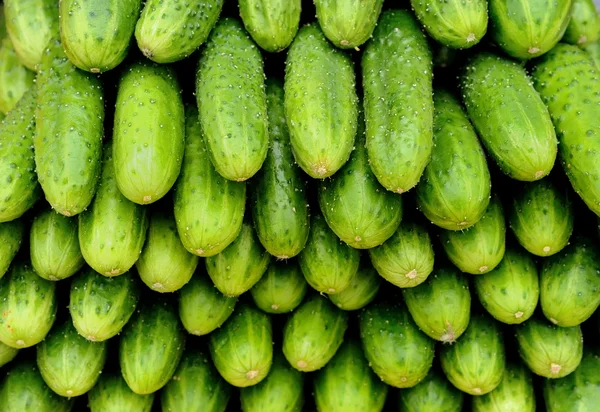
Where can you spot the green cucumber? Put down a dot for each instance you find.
(96, 35)
(584, 25)
(232, 102)
(7, 354)
(397, 351)
(593, 50)
(209, 209)
(321, 104)
(397, 81)
(433, 394)
(280, 208)
(281, 289)
(111, 394)
(313, 333)
(515, 392)
(15, 78)
(273, 24)
(11, 237)
(168, 31)
(3, 32)
(360, 292)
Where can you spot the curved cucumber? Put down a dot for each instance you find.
(584, 26)
(273, 24)
(11, 237)
(15, 79)
(111, 394)
(281, 289)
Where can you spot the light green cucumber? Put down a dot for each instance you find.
(593, 50)
(515, 392)
(281, 289)
(15, 78)
(584, 25)
(360, 292)
(273, 24)
(11, 237)
(7, 354)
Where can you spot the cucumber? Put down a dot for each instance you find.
(202, 308)
(96, 35)
(441, 306)
(70, 364)
(149, 132)
(457, 24)
(164, 264)
(569, 283)
(584, 25)
(397, 81)
(209, 209)
(113, 229)
(321, 104)
(54, 245)
(20, 189)
(11, 238)
(168, 31)
(593, 50)
(327, 263)
(475, 363)
(509, 116)
(31, 24)
(515, 392)
(7, 354)
(541, 217)
(360, 292)
(313, 333)
(480, 248)
(511, 291)
(548, 350)
(397, 351)
(434, 393)
(242, 349)
(280, 207)
(111, 394)
(406, 258)
(28, 304)
(347, 23)
(562, 73)
(3, 32)
(100, 306)
(456, 185)
(273, 24)
(526, 30)
(281, 289)
(15, 78)
(151, 346)
(347, 383)
(232, 102)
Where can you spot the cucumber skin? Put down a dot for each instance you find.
(584, 26)
(515, 391)
(432, 394)
(15, 79)
(12, 235)
(111, 394)
(273, 24)
(281, 289)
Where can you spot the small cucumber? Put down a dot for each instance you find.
(15, 79)
(360, 292)
(434, 393)
(273, 24)
(11, 237)
(281, 289)
(584, 26)
(111, 394)
(515, 392)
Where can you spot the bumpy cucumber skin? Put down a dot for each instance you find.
(112, 231)
(280, 208)
(273, 24)
(232, 102)
(515, 392)
(509, 116)
(31, 24)
(11, 237)
(528, 29)
(455, 188)
(171, 30)
(397, 351)
(584, 25)
(20, 189)
(96, 34)
(149, 132)
(281, 289)
(397, 82)
(541, 217)
(14, 77)
(54, 246)
(68, 133)
(457, 24)
(360, 292)
(111, 394)
(348, 23)
(432, 394)
(321, 104)
(566, 78)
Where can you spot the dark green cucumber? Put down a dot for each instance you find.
(321, 104)
(111, 394)
(168, 31)
(360, 292)
(348, 23)
(11, 237)
(151, 346)
(313, 333)
(584, 25)
(273, 24)
(242, 349)
(328, 264)
(281, 289)
(509, 116)
(202, 308)
(54, 246)
(28, 305)
(15, 78)
(433, 394)
(347, 383)
(96, 35)
(397, 82)
(100, 306)
(456, 185)
(70, 364)
(237, 144)
(441, 306)
(399, 353)
(515, 392)
(113, 229)
(570, 283)
(7, 354)
(280, 208)
(480, 248)
(3, 32)
(164, 264)
(528, 29)
(209, 209)
(511, 291)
